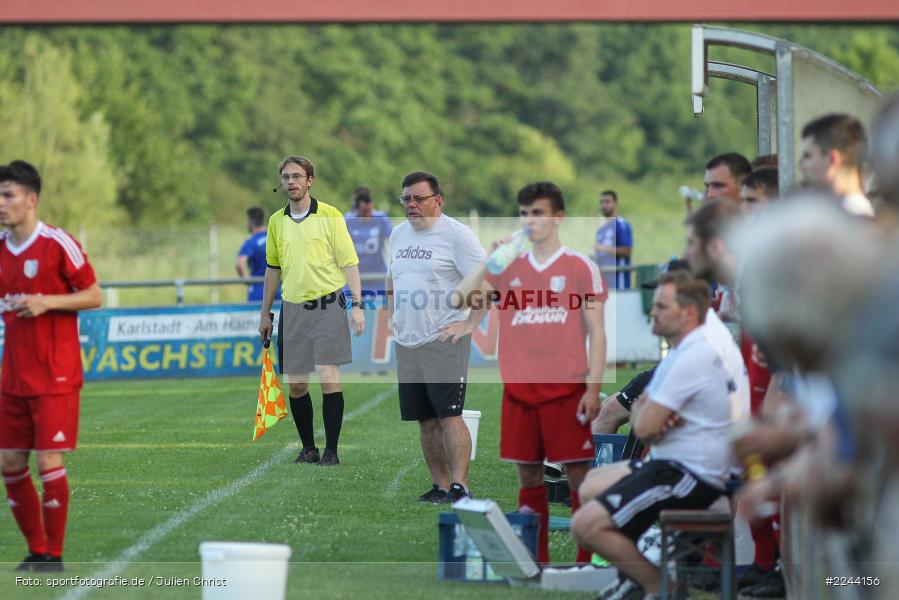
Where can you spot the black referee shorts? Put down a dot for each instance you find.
(432, 379)
(313, 333)
(635, 502)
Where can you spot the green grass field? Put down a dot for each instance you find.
(165, 465)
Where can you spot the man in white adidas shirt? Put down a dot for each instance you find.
(685, 416)
(431, 253)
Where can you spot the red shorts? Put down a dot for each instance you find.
(42, 423)
(534, 432)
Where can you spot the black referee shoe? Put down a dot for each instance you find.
(329, 459)
(307, 455)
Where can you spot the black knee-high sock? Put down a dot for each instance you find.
(301, 409)
(332, 410)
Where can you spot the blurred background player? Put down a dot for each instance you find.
(614, 243)
(550, 391)
(833, 149)
(723, 175)
(758, 189)
(251, 257)
(370, 230)
(45, 278)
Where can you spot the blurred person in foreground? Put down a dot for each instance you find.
(833, 150)
(884, 164)
(805, 264)
(710, 254)
(867, 374)
(550, 391)
(45, 279)
(684, 415)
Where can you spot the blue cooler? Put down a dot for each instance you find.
(609, 447)
(460, 559)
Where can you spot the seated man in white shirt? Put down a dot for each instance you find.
(685, 416)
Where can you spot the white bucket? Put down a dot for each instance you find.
(239, 570)
(472, 419)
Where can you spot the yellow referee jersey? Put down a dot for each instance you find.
(312, 253)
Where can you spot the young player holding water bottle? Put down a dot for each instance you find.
(550, 302)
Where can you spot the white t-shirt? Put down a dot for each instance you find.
(721, 338)
(857, 204)
(426, 266)
(694, 382)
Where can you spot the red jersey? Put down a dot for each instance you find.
(542, 330)
(42, 355)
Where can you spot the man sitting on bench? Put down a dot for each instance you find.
(684, 415)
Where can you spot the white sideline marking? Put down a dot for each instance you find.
(152, 537)
(392, 487)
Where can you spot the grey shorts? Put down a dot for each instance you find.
(432, 379)
(313, 333)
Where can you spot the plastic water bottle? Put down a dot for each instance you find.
(503, 256)
(604, 457)
(688, 193)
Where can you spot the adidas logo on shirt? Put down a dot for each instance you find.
(587, 445)
(59, 437)
(614, 500)
(515, 282)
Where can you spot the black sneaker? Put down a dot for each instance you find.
(434, 495)
(455, 493)
(752, 576)
(50, 564)
(329, 459)
(33, 559)
(307, 455)
(707, 581)
(552, 470)
(771, 586)
(41, 563)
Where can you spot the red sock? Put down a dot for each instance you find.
(584, 556)
(533, 499)
(765, 543)
(26, 508)
(56, 507)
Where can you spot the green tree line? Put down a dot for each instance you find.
(156, 125)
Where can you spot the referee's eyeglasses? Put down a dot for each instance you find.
(407, 200)
(295, 176)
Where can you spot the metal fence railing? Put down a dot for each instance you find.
(642, 274)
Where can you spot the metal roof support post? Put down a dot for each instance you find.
(785, 143)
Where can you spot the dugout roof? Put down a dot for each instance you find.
(347, 11)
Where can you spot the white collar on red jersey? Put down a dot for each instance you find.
(17, 250)
(542, 267)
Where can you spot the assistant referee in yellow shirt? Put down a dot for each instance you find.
(310, 251)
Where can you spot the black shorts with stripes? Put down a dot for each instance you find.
(653, 486)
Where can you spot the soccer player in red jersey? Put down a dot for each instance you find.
(45, 278)
(550, 301)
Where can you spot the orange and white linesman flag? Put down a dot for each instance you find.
(270, 407)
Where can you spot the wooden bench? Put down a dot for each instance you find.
(688, 532)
